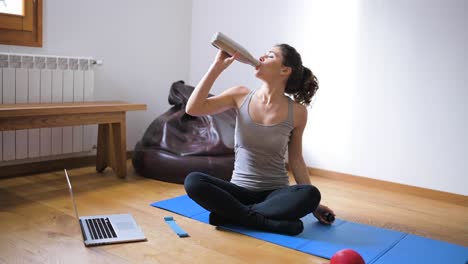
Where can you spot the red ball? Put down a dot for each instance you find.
(347, 256)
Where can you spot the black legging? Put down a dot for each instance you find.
(276, 210)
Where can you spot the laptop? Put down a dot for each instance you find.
(106, 229)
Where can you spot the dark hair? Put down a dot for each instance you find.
(302, 84)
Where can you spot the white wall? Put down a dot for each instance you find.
(411, 100)
(144, 46)
(393, 78)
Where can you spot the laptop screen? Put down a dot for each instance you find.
(71, 194)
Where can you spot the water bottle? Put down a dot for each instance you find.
(229, 46)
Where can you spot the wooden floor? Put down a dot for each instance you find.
(38, 223)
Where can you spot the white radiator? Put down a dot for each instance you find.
(44, 79)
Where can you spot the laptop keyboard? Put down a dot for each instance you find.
(100, 228)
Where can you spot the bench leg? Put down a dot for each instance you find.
(102, 155)
(112, 148)
(119, 138)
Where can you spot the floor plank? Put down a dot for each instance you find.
(38, 223)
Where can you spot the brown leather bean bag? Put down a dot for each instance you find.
(176, 143)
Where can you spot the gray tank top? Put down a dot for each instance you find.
(260, 150)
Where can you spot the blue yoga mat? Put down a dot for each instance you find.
(376, 245)
(415, 249)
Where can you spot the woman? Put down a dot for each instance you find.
(268, 122)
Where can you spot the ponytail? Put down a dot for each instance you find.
(302, 84)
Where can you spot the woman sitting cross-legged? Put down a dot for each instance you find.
(268, 123)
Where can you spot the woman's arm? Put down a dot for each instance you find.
(198, 103)
(295, 159)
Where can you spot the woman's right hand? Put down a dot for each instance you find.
(199, 104)
(223, 60)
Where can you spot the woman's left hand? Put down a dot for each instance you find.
(321, 212)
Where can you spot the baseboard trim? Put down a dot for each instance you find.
(55, 164)
(395, 187)
(90, 160)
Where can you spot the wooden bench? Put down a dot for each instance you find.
(109, 115)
